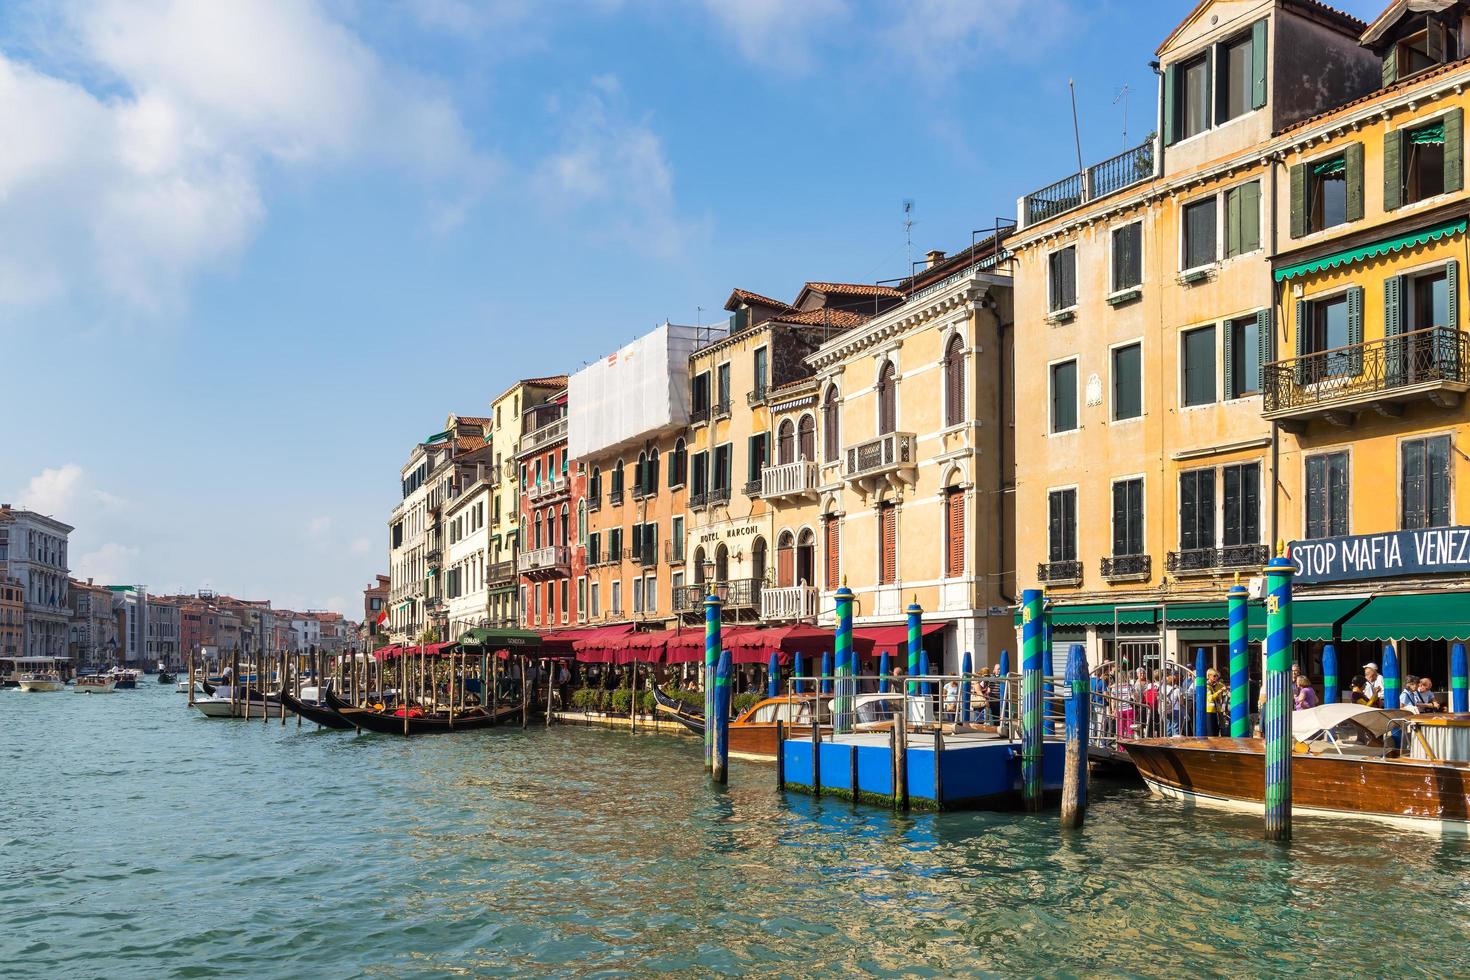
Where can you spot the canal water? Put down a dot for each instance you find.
(139, 839)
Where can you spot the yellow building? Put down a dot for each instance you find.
(1144, 310)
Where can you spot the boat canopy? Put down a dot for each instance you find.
(1309, 723)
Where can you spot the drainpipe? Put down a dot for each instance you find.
(1158, 119)
(1278, 312)
(1003, 400)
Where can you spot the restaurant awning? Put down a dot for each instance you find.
(503, 638)
(1423, 616)
(756, 646)
(1197, 612)
(1396, 243)
(893, 640)
(588, 642)
(687, 647)
(1312, 619)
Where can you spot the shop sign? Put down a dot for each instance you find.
(1432, 551)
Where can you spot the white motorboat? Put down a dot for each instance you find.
(42, 682)
(222, 705)
(94, 684)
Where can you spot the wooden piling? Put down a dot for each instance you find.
(901, 777)
(938, 771)
(780, 756)
(191, 678)
(1078, 712)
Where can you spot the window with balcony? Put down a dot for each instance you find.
(699, 400)
(831, 441)
(1061, 536)
(887, 544)
(758, 567)
(954, 381)
(699, 476)
(722, 388)
(1064, 396)
(1128, 518)
(1242, 510)
(1197, 364)
(1062, 279)
(1127, 257)
(594, 548)
(806, 438)
(1243, 219)
(1197, 510)
(720, 478)
(1425, 477)
(1327, 495)
(887, 399)
(1199, 239)
(1332, 324)
(757, 456)
(615, 544)
(1127, 382)
(786, 443)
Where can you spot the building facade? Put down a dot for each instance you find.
(33, 547)
(12, 615)
(374, 601)
(551, 489)
(466, 586)
(163, 633)
(94, 634)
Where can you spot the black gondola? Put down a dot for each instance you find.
(386, 723)
(164, 677)
(694, 721)
(320, 713)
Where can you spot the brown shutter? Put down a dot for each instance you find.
(785, 567)
(834, 563)
(890, 543)
(954, 505)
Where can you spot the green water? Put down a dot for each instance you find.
(138, 839)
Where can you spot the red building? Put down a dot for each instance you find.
(550, 560)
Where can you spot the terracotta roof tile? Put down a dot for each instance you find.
(550, 381)
(472, 419)
(824, 318)
(738, 296)
(853, 289)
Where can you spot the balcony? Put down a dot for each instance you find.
(548, 489)
(646, 556)
(615, 498)
(798, 479)
(537, 438)
(752, 489)
(698, 501)
(718, 495)
(1127, 568)
(1101, 179)
(544, 562)
(1334, 385)
(757, 396)
(1208, 561)
(891, 458)
(433, 556)
(790, 602)
(594, 503)
(740, 593)
(720, 409)
(699, 416)
(500, 572)
(1059, 572)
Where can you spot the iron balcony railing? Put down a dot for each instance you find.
(756, 396)
(720, 409)
(699, 415)
(1101, 179)
(740, 593)
(594, 501)
(889, 451)
(790, 602)
(790, 479)
(500, 571)
(1235, 556)
(1059, 572)
(1128, 566)
(537, 438)
(697, 501)
(615, 498)
(718, 495)
(752, 489)
(1364, 372)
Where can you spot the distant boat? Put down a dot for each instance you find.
(164, 677)
(93, 684)
(123, 678)
(42, 682)
(220, 704)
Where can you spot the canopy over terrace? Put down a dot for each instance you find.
(502, 640)
(892, 640)
(570, 642)
(756, 646)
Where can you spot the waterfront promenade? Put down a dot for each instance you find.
(187, 847)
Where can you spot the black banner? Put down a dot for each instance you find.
(1433, 551)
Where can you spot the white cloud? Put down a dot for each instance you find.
(778, 33)
(360, 546)
(111, 564)
(318, 527)
(942, 37)
(135, 151)
(53, 490)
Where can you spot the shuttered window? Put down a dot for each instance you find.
(1327, 495)
(786, 443)
(1062, 279)
(1320, 192)
(721, 474)
(1242, 356)
(1128, 518)
(756, 456)
(806, 438)
(887, 400)
(831, 532)
(954, 381)
(1197, 509)
(954, 523)
(786, 561)
(1127, 256)
(1064, 396)
(1127, 382)
(1062, 525)
(1198, 357)
(1242, 504)
(1243, 219)
(888, 557)
(1199, 234)
(1425, 482)
(831, 448)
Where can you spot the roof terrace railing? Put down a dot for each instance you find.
(1101, 179)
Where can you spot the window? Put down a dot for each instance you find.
(615, 544)
(676, 539)
(887, 399)
(1062, 278)
(806, 438)
(1329, 331)
(617, 598)
(1423, 162)
(1327, 203)
(1064, 396)
(1198, 357)
(677, 581)
(888, 544)
(596, 600)
(1199, 233)
(756, 456)
(594, 548)
(699, 474)
(1426, 482)
(831, 447)
(1196, 510)
(1243, 356)
(760, 369)
(1237, 88)
(1243, 219)
(699, 395)
(1427, 301)
(1327, 495)
(1242, 504)
(954, 381)
(786, 443)
(1423, 49)
(722, 388)
(1190, 111)
(678, 465)
(637, 593)
(758, 565)
(565, 586)
(1062, 525)
(722, 469)
(650, 594)
(1128, 517)
(1127, 257)
(954, 532)
(1127, 382)
(581, 600)
(832, 545)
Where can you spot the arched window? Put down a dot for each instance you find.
(650, 473)
(640, 473)
(722, 564)
(678, 465)
(887, 400)
(806, 438)
(759, 569)
(832, 533)
(699, 565)
(806, 557)
(954, 381)
(595, 490)
(831, 448)
(785, 560)
(786, 443)
(565, 530)
(617, 478)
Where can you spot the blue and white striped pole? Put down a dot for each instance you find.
(1277, 718)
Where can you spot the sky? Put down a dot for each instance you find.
(254, 250)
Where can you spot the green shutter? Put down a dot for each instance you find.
(1298, 200)
(1229, 371)
(1171, 82)
(1434, 39)
(1353, 156)
(1392, 326)
(1393, 181)
(1452, 290)
(1301, 337)
(1265, 341)
(1391, 66)
(1250, 216)
(1355, 326)
(1454, 155)
(1232, 222)
(1258, 64)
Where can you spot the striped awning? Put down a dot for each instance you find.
(1397, 243)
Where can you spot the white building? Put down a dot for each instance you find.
(466, 586)
(34, 549)
(130, 607)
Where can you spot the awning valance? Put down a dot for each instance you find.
(1423, 616)
(1455, 226)
(892, 640)
(1311, 619)
(501, 639)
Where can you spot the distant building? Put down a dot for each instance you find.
(130, 609)
(374, 601)
(93, 637)
(34, 549)
(162, 632)
(12, 614)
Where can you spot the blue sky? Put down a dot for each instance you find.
(254, 250)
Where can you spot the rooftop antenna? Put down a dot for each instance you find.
(1076, 131)
(1122, 96)
(908, 231)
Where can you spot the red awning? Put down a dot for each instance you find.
(641, 648)
(756, 646)
(589, 644)
(892, 639)
(687, 646)
(387, 652)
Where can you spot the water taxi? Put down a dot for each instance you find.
(93, 684)
(41, 682)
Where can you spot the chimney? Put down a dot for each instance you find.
(932, 258)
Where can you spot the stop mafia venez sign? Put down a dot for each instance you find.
(1433, 551)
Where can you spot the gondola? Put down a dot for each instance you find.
(694, 721)
(387, 723)
(164, 677)
(319, 713)
(208, 688)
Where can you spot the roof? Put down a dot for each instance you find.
(550, 381)
(824, 318)
(1398, 86)
(1331, 16)
(1393, 12)
(849, 289)
(738, 296)
(468, 444)
(471, 419)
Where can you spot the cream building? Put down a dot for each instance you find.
(467, 560)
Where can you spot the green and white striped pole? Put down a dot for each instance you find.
(1277, 719)
(1240, 707)
(711, 659)
(842, 708)
(1032, 632)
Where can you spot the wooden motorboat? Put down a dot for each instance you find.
(1348, 761)
(392, 722)
(93, 684)
(315, 711)
(42, 682)
(123, 678)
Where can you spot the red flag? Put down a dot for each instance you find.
(382, 617)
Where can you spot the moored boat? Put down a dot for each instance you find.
(221, 704)
(1349, 760)
(393, 722)
(315, 711)
(93, 684)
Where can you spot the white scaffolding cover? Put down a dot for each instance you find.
(634, 392)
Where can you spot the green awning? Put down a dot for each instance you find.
(1311, 619)
(1424, 616)
(1328, 167)
(500, 638)
(439, 437)
(1096, 614)
(1427, 135)
(1198, 612)
(1395, 244)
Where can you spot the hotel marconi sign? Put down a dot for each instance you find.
(1432, 551)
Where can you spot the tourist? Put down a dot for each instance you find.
(950, 704)
(1421, 696)
(1372, 686)
(1357, 696)
(564, 685)
(1215, 693)
(1305, 697)
(1173, 705)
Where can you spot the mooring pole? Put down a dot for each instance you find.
(916, 646)
(1277, 720)
(842, 707)
(711, 660)
(962, 710)
(1330, 684)
(1201, 695)
(722, 719)
(1033, 628)
(1078, 718)
(1240, 707)
(780, 756)
(1459, 681)
(1392, 682)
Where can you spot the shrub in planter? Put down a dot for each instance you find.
(646, 702)
(742, 703)
(621, 701)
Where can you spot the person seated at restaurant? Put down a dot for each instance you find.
(1372, 686)
(1305, 696)
(1420, 696)
(1357, 696)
